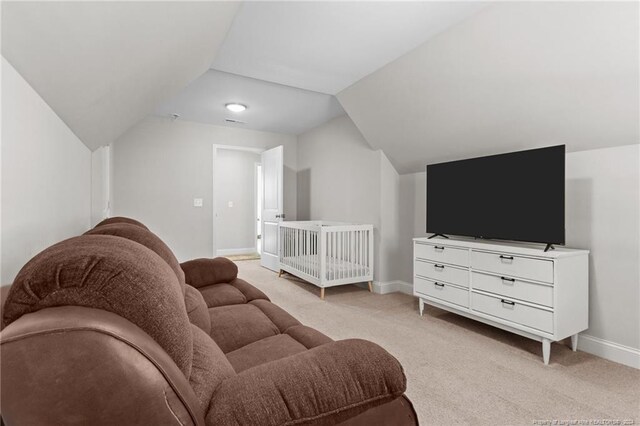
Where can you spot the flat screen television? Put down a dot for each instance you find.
(516, 196)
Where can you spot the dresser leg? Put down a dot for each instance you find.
(370, 287)
(574, 342)
(546, 350)
(421, 302)
(322, 293)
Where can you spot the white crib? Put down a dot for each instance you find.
(327, 254)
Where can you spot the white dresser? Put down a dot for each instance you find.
(517, 287)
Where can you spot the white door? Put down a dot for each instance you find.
(272, 205)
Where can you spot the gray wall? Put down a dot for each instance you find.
(46, 176)
(234, 181)
(160, 165)
(603, 216)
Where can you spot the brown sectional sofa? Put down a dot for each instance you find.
(108, 328)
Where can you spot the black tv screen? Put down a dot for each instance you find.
(516, 196)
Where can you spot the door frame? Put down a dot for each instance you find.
(257, 171)
(214, 206)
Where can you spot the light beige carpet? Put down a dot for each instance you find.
(238, 257)
(460, 371)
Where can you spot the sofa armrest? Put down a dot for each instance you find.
(203, 272)
(324, 385)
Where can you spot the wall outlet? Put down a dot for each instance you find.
(230, 203)
(197, 202)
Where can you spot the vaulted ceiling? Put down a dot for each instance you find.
(286, 60)
(327, 46)
(423, 81)
(271, 107)
(516, 75)
(103, 66)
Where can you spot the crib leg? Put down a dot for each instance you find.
(280, 273)
(370, 287)
(322, 293)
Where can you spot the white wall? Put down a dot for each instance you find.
(602, 215)
(160, 165)
(340, 178)
(100, 180)
(389, 255)
(46, 176)
(413, 189)
(235, 182)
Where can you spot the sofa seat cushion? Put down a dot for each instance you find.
(278, 316)
(231, 293)
(222, 295)
(265, 350)
(235, 326)
(307, 336)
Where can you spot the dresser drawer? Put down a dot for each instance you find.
(515, 288)
(442, 291)
(515, 266)
(509, 310)
(440, 272)
(441, 254)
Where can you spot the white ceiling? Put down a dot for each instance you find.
(103, 66)
(271, 107)
(514, 76)
(327, 46)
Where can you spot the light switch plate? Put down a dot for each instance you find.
(230, 204)
(197, 202)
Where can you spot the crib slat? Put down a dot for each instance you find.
(309, 255)
(351, 254)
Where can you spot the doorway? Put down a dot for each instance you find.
(236, 202)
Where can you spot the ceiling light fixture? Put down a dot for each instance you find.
(235, 107)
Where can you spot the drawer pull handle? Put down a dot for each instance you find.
(438, 266)
(439, 248)
(509, 280)
(507, 302)
(438, 285)
(506, 257)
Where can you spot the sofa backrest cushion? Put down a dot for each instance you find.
(121, 219)
(209, 369)
(147, 239)
(197, 309)
(113, 274)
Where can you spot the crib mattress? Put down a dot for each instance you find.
(336, 268)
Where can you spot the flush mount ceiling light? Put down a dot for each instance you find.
(235, 107)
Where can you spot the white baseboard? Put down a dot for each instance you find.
(609, 350)
(385, 287)
(229, 252)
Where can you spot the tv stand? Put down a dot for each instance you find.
(438, 235)
(542, 296)
(549, 247)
